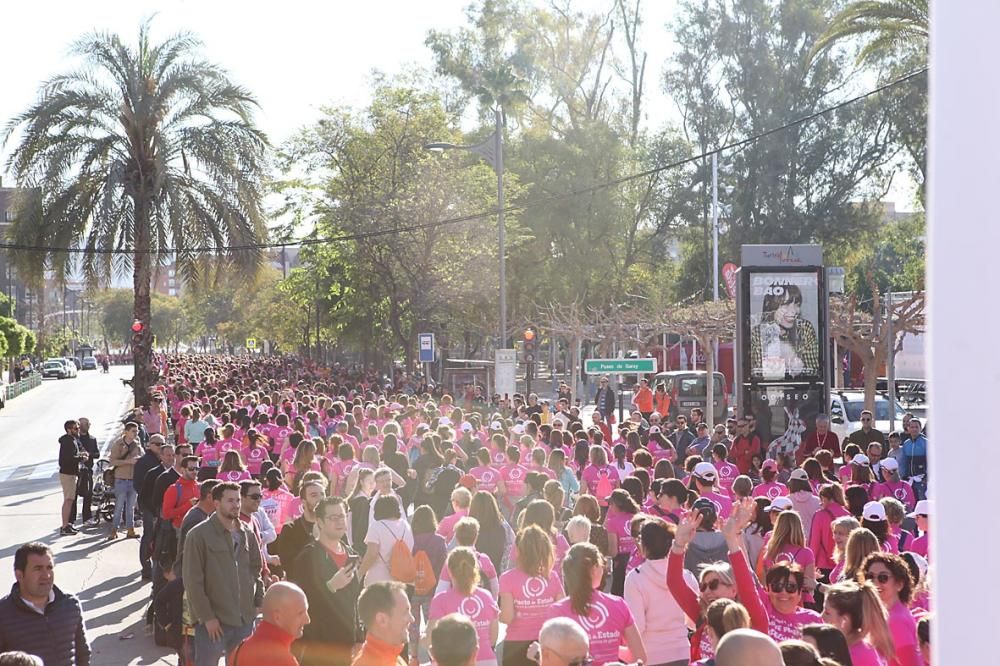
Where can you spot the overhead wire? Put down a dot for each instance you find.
(313, 239)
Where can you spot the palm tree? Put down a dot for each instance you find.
(889, 26)
(147, 151)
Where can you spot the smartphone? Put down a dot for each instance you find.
(352, 562)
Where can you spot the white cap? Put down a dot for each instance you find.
(923, 508)
(466, 427)
(780, 504)
(518, 429)
(496, 425)
(889, 464)
(654, 429)
(873, 511)
(861, 460)
(444, 420)
(706, 471)
(799, 474)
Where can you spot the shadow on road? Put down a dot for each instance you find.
(111, 650)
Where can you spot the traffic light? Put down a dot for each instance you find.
(137, 326)
(530, 338)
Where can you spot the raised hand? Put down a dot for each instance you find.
(686, 529)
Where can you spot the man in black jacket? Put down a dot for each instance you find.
(86, 486)
(148, 461)
(327, 571)
(39, 618)
(71, 453)
(295, 535)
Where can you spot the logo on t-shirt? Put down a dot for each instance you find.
(534, 587)
(596, 618)
(471, 607)
(900, 494)
(515, 474)
(725, 471)
(487, 477)
(773, 492)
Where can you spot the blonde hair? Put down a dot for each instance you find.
(895, 512)
(850, 523)
(860, 544)
(462, 497)
(305, 453)
(462, 566)
(725, 615)
(578, 529)
(787, 532)
(861, 603)
(467, 531)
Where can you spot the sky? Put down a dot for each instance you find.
(295, 55)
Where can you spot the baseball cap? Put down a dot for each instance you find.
(466, 427)
(518, 429)
(861, 460)
(780, 504)
(769, 465)
(654, 429)
(467, 481)
(444, 420)
(496, 425)
(890, 464)
(706, 471)
(799, 474)
(706, 508)
(923, 508)
(873, 511)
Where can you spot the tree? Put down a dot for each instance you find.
(146, 150)
(870, 336)
(888, 27)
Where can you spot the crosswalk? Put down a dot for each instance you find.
(37, 472)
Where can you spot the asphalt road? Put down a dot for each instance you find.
(105, 576)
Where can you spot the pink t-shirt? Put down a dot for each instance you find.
(770, 490)
(533, 596)
(919, 546)
(209, 454)
(479, 607)
(727, 474)
(903, 628)
(723, 505)
(234, 476)
(783, 627)
(513, 478)
(901, 491)
(863, 654)
(486, 478)
(341, 470)
(255, 457)
(617, 523)
(800, 555)
(605, 624)
(228, 445)
(446, 528)
(592, 476)
(486, 569)
(276, 505)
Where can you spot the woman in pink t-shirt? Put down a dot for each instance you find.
(621, 509)
(891, 577)
(770, 486)
(341, 468)
(255, 452)
(599, 477)
(232, 468)
(526, 594)
(857, 611)
(892, 486)
(788, 544)
(607, 619)
(467, 598)
(487, 477)
(512, 478)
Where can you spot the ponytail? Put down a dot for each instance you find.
(725, 615)
(862, 604)
(464, 571)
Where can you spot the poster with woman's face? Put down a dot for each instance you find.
(784, 320)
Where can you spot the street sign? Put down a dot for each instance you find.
(251, 343)
(505, 372)
(425, 347)
(619, 366)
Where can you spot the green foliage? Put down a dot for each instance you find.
(30, 342)
(14, 337)
(893, 260)
(6, 305)
(888, 28)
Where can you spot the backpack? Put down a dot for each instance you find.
(402, 566)
(604, 486)
(425, 581)
(164, 546)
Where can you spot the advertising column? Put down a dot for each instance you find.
(781, 355)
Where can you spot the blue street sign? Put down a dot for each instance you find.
(426, 347)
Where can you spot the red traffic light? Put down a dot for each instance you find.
(529, 334)
(137, 326)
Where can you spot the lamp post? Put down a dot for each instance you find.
(491, 150)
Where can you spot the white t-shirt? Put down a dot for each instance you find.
(383, 534)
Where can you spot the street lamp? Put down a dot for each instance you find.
(491, 150)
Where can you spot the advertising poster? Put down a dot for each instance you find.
(784, 414)
(784, 324)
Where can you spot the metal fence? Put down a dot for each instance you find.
(17, 388)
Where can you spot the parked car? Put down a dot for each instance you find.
(846, 408)
(687, 389)
(88, 363)
(69, 365)
(55, 369)
(74, 360)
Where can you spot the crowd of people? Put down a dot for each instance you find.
(292, 513)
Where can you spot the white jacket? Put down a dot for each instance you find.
(658, 617)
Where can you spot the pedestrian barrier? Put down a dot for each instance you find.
(17, 388)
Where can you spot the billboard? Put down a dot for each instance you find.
(784, 327)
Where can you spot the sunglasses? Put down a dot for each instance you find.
(193, 469)
(712, 585)
(788, 588)
(256, 497)
(881, 578)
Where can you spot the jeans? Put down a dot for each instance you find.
(125, 497)
(148, 526)
(208, 652)
(419, 604)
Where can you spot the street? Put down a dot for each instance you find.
(105, 576)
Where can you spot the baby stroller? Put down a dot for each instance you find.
(104, 490)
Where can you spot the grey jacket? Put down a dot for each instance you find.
(222, 580)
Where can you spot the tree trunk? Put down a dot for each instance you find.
(871, 365)
(577, 366)
(142, 343)
(708, 344)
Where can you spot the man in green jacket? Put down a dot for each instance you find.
(222, 578)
